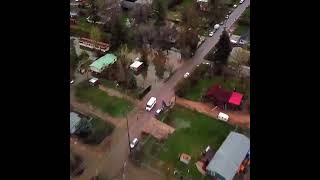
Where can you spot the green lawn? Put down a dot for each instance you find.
(194, 132)
(110, 104)
(241, 29)
(100, 129)
(83, 28)
(111, 84)
(246, 13)
(204, 84)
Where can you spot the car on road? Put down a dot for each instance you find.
(234, 6)
(150, 104)
(241, 1)
(186, 75)
(134, 142)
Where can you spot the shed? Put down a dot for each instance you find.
(74, 122)
(229, 156)
(235, 98)
(99, 65)
(136, 65)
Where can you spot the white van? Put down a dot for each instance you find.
(223, 117)
(152, 101)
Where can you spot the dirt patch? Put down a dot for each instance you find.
(158, 129)
(236, 118)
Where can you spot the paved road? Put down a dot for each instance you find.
(113, 161)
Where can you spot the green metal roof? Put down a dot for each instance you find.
(104, 61)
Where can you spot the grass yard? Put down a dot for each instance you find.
(110, 104)
(111, 84)
(241, 29)
(194, 132)
(204, 84)
(100, 129)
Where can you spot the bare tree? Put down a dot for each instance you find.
(141, 13)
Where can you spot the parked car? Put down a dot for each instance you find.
(72, 81)
(241, 1)
(223, 117)
(134, 142)
(227, 16)
(221, 23)
(158, 111)
(94, 82)
(186, 75)
(211, 33)
(150, 104)
(234, 6)
(230, 12)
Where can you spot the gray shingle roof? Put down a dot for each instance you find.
(230, 155)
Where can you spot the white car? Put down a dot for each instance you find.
(241, 1)
(234, 6)
(158, 111)
(134, 143)
(186, 74)
(227, 16)
(211, 34)
(221, 23)
(150, 104)
(72, 81)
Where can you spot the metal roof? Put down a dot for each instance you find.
(230, 155)
(74, 121)
(104, 61)
(136, 64)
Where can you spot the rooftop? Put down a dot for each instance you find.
(104, 61)
(230, 155)
(235, 98)
(136, 64)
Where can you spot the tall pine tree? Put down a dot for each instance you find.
(222, 52)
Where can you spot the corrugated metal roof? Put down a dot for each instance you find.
(74, 121)
(104, 61)
(230, 155)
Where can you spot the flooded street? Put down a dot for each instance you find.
(160, 65)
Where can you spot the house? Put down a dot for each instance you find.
(136, 65)
(99, 65)
(223, 98)
(74, 122)
(229, 157)
(235, 100)
(218, 95)
(203, 4)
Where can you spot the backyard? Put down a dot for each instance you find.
(194, 132)
(204, 84)
(112, 105)
(201, 80)
(244, 23)
(100, 129)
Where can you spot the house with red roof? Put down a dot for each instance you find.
(223, 98)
